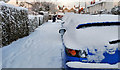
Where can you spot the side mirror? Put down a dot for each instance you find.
(62, 31)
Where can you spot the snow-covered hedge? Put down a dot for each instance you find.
(34, 22)
(14, 21)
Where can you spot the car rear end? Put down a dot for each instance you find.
(77, 44)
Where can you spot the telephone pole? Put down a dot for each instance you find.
(79, 7)
(85, 7)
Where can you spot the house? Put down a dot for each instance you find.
(99, 6)
(72, 10)
(66, 10)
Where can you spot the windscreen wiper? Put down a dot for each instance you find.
(97, 24)
(115, 41)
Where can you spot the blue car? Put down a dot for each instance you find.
(92, 45)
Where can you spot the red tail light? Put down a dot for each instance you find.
(72, 52)
(76, 53)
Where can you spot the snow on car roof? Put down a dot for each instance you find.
(94, 37)
(89, 36)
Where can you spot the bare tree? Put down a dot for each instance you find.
(5, 0)
(44, 6)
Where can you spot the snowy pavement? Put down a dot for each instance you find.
(41, 49)
(0, 58)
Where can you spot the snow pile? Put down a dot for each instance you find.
(14, 22)
(41, 49)
(34, 21)
(93, 38)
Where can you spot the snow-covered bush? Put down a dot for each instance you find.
(116, 10)
(34, 22)
(14, 21)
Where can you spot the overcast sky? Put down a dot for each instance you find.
(67, 3)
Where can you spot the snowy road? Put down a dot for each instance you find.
(42, 49)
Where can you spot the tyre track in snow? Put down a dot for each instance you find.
(41, 49)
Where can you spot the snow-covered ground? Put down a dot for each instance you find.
(41, 49)
(0, 58)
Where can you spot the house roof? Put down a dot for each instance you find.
(72, 9)
(66, 9)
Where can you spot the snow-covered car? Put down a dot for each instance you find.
(90, 42)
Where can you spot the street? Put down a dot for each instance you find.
(41, 49)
